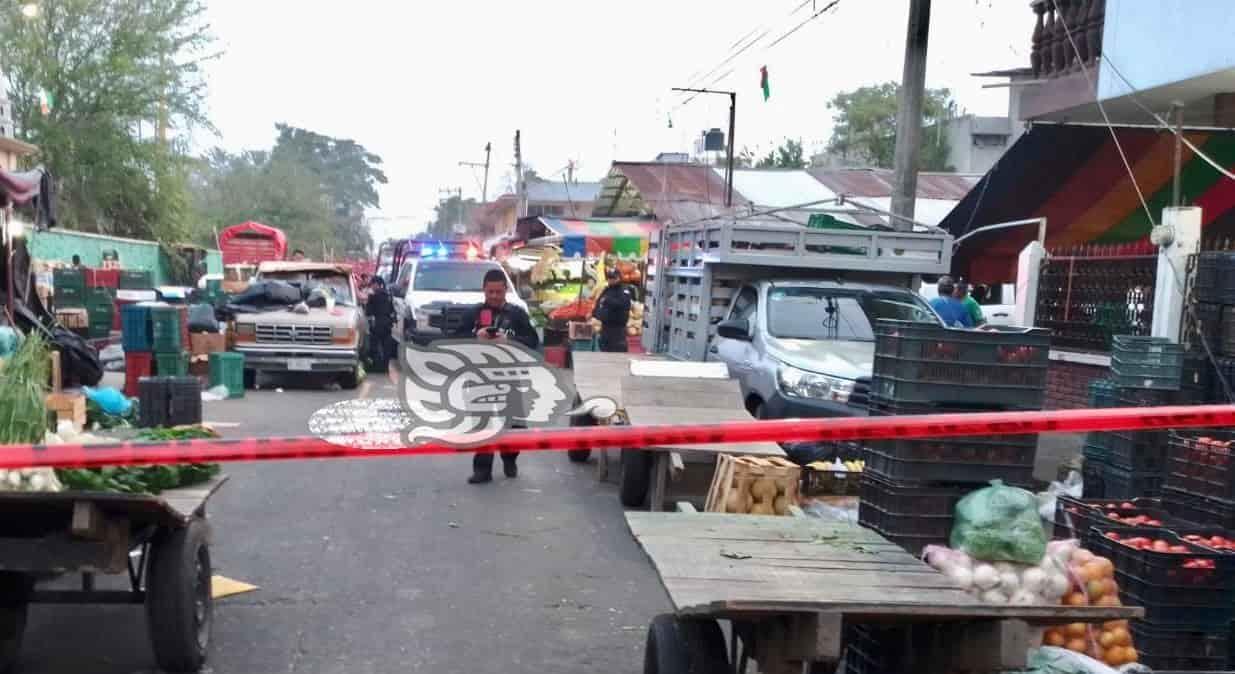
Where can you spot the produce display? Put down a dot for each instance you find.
(763, 496)
(579, 310)
(140, 479)
(847, 465)
(999, 523)
(1092, 583)
(1044, 583)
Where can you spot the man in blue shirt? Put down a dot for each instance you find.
(951, 310)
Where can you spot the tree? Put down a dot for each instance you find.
(115, 74)
(788, 155)
(865, 126)
(348, 174)
(449, 212)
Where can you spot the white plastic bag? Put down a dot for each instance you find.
(1073, 486)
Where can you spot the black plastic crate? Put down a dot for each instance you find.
(1164, 569)
(1182, 648)
(1074, 518)
(1093, 476)
(1198, 509)
(1145, 397)
(1120, 483)
(912, 515)
(151, 402)
(184, 401)
(1137, 451)
(1206, 321)
(918, 362)
(1197, 385)
(1146, 362)
(1215, 277)
(1162, 596)
(1200, 463)
(964, 459)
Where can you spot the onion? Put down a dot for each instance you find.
(1009, 582)
(961, 576)
(985, 576)
(994, 597)
(1057, 585)
(1024, 598)
(938, 556)
(1033, 580)
(1061, 551)
(962, 558)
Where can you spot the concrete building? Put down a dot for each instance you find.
(976, 143)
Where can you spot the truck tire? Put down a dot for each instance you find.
(250, 379)
(179, 605)
(636, 466)
(350, 380)
(580, 455)
(684, 646)
(14, 600)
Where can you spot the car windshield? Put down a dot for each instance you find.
(336, 283)
(451, 276)
(828, 313)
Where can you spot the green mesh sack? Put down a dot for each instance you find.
(999, 524)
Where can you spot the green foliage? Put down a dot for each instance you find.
(450, 211)
(865, 125)
(116, 71)
(23, 383)
(788, 155)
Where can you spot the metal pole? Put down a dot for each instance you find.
(733, 109)
(1178, 109)
(909, 114)
(484, 191)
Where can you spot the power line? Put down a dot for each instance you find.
(812, 17)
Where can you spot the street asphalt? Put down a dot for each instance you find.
(391, 565)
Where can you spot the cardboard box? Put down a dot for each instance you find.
(207, 342)
(68, 406)
(73, 318)
(579, 330)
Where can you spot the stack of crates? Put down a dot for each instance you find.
(227, 369)
(910, 487)
(1145, 372)
(1200, 479)
(136, 339)
(169, 401)
(168, 342)
(1210, 330)
(135, 279)
(69, 286)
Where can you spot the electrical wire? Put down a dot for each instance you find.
(812, 17)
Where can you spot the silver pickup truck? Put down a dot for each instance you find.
(327, 340)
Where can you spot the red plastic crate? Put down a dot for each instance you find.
(555, 356)
(184, 327)
(137, 364)
(102, 278)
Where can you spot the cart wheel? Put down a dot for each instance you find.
(684, 646)
(178, 599)
(14, 598)
(580, 455)
(636, 477)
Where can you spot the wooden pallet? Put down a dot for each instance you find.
(740, 472)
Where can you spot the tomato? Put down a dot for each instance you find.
(1112, 535)
(1113, 516)
(1160, 545)
(1153, 523)
(1125, 504)
(1177, 549)
(1218, 541)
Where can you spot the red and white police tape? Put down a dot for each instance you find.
(561, 439)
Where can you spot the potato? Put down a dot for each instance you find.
(781, 505)
(762, 508)
(735, 502)
(764, 489)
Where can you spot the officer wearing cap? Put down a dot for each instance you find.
(613, 312)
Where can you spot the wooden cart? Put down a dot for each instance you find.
(599, 374)
(161, 543)
(789, 587)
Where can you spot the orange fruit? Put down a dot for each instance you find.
(1109, 600)
(1077, 645)
(1076, 630)
(1130, 654)
(1107, 639)
(1122, 636)
(1055, 638)
(1075, 599)
(1112, 624)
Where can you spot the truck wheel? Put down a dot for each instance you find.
(351, 379)
(684, 646)
(14, 599)
(636, 477)
(179, 605)
(250, 379)
(580, 455)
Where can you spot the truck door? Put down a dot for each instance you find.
(738, 355)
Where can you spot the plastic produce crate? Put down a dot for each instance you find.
(912, 515)
(916, 362)
(1093, 477)
(102, 278)
(171, 364)
(582, 345)
(1200, 463)
(1165, 569)
(135, 279)
(165, 330)
(1215, 277)
(151, 403)
(137, 364)
(1120, 483)
(1206, 321)
(1198, 509)
(69, 287)
(1181, 649)
(1075, 518)
(135, 332)
(1197, 384)
(1146, 362)
(970, 459)
(227, 369)
(96, 296)
(184, 400)
(1137, 451)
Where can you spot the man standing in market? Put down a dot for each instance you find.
(380, 308)
(971, 305)
(495, 320)
(950, 309)
(613, 312)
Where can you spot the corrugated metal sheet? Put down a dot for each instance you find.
(557, 192)
(778, 188)
(671, 192)
(878, 183)
(925, 211)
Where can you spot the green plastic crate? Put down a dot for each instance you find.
(69, 286)
(98, 297)
(171, 364)
(165, 330)
(136, 279)
(227, 369)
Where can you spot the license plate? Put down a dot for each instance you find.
(299, 364)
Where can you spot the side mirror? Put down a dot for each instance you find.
(525, 293)
(737, 328)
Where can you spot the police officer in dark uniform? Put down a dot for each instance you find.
(613, 312)
(381, 309)
(495, 321)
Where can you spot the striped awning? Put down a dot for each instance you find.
(592, 237)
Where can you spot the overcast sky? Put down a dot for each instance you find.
(427, 84)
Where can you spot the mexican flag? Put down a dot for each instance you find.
(763, 82)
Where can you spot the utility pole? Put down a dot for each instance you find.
(733, 107)
(909, 115)
(570, 171)
(1178, 109)
(484, 189)
(519, 186)
(456, 192)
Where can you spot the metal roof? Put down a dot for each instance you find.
(671, 192)
(877, 182)
(557, 192)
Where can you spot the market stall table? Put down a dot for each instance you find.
(598, 374)
(656, 401)
(45, 534)
(787, 583)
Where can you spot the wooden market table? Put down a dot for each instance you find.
(789, 585)
(599, 374)
(655, 401)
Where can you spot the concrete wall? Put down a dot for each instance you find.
(964, 155)
(1164, 41)
(61, 245)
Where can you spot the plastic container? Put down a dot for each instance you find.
(1137, 451)
(165, 330)
(1164, 569)
(1120, 483)
(102, 278)
(1198, 509)
(135, 279)
(971, 460)
(135, 334)
(184, 401)
(1074, 518)
(1146, 362)
(1181, 648)
(152, 403)
(227, 369)
(1093, 476)
(912, 515)
(917, 362)
(171, 364)
(1215, 277)
(582, 345)
(1200, 463)
(137, 364)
